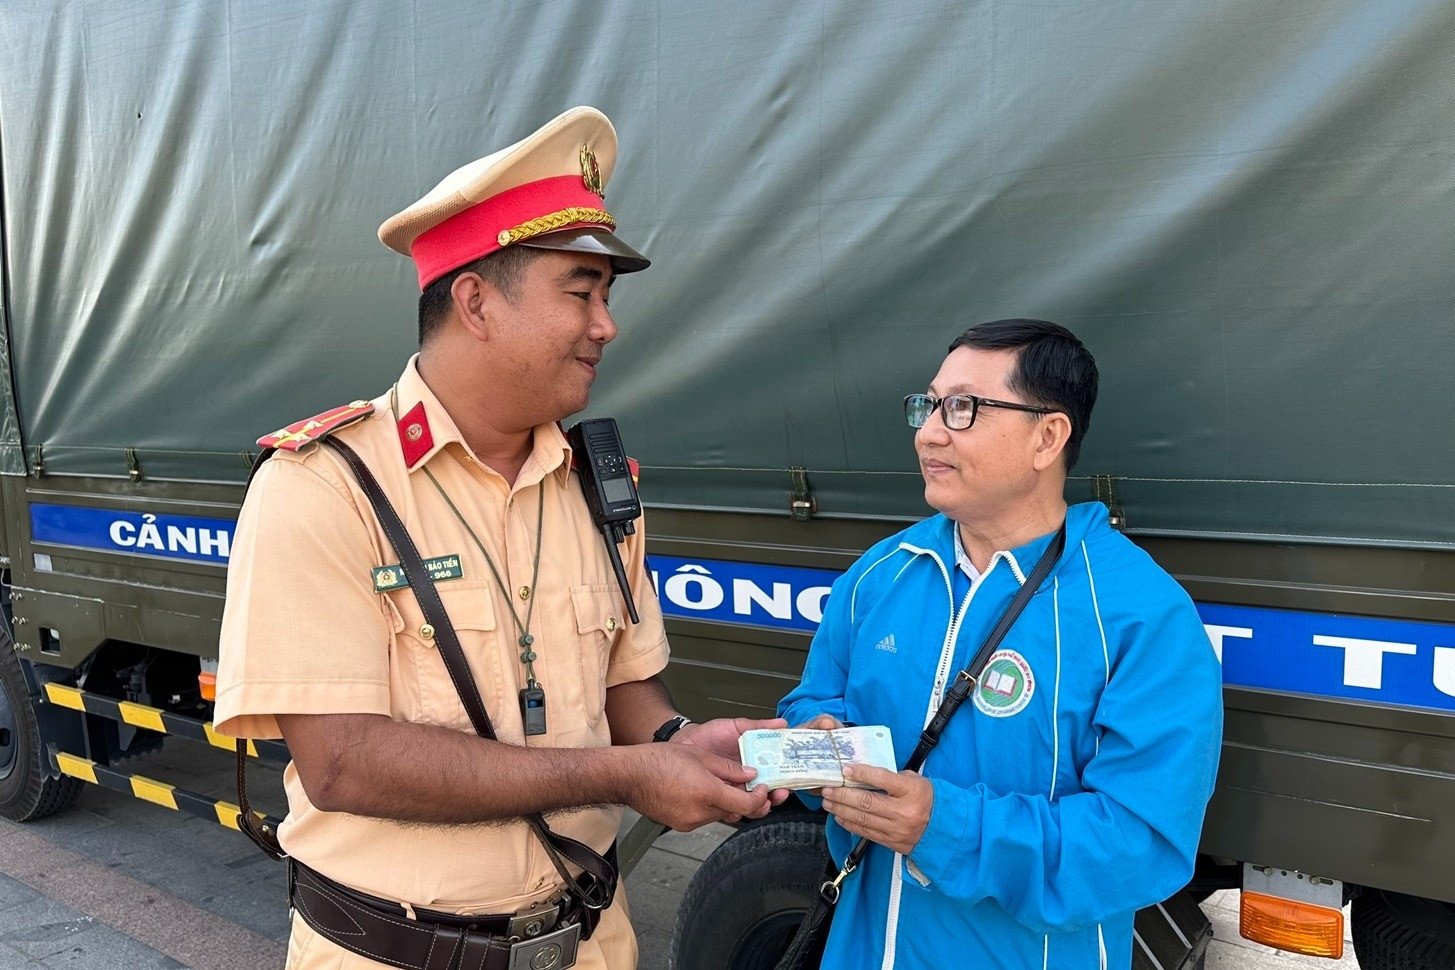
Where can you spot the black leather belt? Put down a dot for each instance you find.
(543, 937)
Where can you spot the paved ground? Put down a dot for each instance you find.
(114, 882)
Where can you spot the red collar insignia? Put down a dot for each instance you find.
(415, 439)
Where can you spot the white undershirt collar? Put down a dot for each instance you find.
(962, 559)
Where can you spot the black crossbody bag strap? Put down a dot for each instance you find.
(807, 943)
(966, 679)
(596, 887)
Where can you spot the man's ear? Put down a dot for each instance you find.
(1053, 431)
(472, 298)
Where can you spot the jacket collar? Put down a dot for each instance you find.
(936, 535)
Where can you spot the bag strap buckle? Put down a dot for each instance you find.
(830, 889)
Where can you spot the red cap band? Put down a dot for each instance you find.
(466, 236)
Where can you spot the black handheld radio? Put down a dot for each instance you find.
(606, 479)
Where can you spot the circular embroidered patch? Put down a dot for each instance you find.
(1006, 685)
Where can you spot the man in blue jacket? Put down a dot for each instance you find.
(1069, 791)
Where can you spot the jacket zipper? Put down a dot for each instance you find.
(947, 651)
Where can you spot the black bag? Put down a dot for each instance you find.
(806, 948)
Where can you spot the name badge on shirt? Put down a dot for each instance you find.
(440, 568)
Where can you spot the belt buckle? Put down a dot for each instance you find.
(528, 924)
(551, 951)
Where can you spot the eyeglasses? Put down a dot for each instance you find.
(960, 410)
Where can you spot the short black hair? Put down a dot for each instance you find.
(1053, 369)
(503, 269)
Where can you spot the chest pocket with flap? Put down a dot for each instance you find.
(423, 689)
(600, 614)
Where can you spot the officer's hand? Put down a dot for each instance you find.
(720, 736)
(895, 818)
(685, 787)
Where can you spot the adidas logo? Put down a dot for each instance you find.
(887, 645)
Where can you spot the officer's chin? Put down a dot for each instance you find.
(572, 408)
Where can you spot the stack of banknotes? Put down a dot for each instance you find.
(796, 758)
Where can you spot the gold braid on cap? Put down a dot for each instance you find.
(553, 221)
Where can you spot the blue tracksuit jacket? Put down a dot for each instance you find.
(1069, 790)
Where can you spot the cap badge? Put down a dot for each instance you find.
(590, 172)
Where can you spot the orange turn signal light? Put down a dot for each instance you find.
(1291, 925)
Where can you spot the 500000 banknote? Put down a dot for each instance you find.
(799, 759)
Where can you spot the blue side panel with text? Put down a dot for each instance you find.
(1392, 662)
(784, 597)
(169, 536)
(1397, 662)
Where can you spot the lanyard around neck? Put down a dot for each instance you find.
(525, 639)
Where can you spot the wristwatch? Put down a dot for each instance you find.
(671, 727)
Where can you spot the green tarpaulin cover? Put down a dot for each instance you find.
(1245, 207)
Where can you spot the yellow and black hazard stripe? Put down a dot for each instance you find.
(156, 792)
(156, 719)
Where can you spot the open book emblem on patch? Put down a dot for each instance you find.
(1006, 685)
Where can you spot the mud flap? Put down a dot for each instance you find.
(1171, 936)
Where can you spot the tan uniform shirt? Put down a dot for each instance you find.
(304, 632)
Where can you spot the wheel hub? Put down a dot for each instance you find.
(7, 735)
(764, 942)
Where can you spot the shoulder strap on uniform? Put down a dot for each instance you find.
(300, 434)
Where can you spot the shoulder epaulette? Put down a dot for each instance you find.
(301, 433)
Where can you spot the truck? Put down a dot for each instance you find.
(1243, 207)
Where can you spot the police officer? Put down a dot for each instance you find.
(410, 834)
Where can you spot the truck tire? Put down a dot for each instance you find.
(1396, 932)
(746, 901)
(26, 791)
